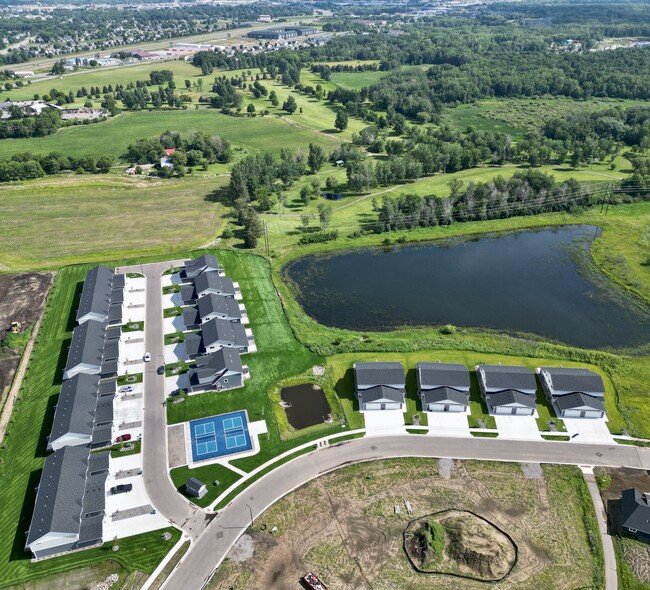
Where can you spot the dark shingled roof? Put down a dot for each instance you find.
(60, 493)
(227, 359)
(111, 350)
(87, 344)
(108, 387)
(381, 394)
(96, 293)
(212, 280)
(191, 317)
(193, 486)
(115, 314)
(443, 395)
(109, 369)
(511, 396)
(113, 333)
(223, 331)
(117, 296)
(188, 294)
(194, 345)
(371, 374)
(102, 436)
(224, 306)
(200, 264)
(104, 410)
(635, 512)
(119, 281)
(75, 407)
(432, 375)
(575, 380)
(575, 401)
(508, 377)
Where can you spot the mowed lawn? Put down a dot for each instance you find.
(113, 137)
(58, 220)
(23, 452)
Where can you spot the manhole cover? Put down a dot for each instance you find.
(373, 448)
(219, 534)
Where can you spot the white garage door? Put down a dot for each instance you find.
(388, 406)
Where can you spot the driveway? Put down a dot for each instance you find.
(518, 427)
(448, 424)
(588, 431)
(384, 422)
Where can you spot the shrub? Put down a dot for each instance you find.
(448, 329)
(315, 238)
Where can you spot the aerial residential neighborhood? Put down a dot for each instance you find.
(325, 295)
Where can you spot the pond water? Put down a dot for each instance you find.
(308, 405)
(538, 282)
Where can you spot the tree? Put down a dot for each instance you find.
(304, 222)
(250, 109)
(316, 158)
(104, 164)
(330, 183)
(455, 186)
(290, 105)
(341, 121)
(253, 228)
(324, 215)
(273, 97)
(305, 195)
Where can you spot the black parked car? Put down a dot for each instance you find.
(122, 489)
(161, 370)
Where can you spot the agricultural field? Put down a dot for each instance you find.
(357, 543)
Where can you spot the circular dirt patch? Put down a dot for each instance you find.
(460, 543)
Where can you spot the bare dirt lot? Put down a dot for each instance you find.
(345, 527)
(22, 297)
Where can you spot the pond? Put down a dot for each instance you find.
(539, 282)
(306, 405)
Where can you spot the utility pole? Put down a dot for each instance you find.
(609, 194)
(266, 237)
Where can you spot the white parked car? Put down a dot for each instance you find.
(147, 357)
(126, 389)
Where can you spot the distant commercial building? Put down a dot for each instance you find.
(281, 33)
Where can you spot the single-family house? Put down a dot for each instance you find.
(70, 502)
(204, 263)
(380, 386)
(509, 390)
(195, 488)
(166, 161)
(210, 282)
(573, 392)
(635, 514)
(216, 372)
(217, 306)
(443, 387)
(217, 333)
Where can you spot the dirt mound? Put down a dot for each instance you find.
(459, 543)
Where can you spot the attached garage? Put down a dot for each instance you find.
(380, 386)
(579, 405)
(444, 399)
(511, 402)
(381, 406)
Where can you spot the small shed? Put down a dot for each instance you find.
(195, 487)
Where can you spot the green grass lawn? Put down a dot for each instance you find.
(23, 452)
(208, 474)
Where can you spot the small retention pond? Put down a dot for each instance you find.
(307, 405)
(540, 282)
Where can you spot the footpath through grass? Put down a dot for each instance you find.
(24, 449)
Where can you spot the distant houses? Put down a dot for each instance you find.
(574, 393)
(443, 387)
(380, 386)
(508, 390)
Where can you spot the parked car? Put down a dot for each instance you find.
(161, 370)
(123, 438)
(122, 488)
(126, 389)
(146, 357)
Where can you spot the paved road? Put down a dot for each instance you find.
(611, 580)
(213, 545)
(161, 491)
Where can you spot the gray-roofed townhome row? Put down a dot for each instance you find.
(206, 262)
(380, 386)
(90, 352)
(217, 306)
(443, 387)
(508, 390)
(69, 503)
(216, 372)
(635, 514)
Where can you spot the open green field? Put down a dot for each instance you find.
(515, 116)
(112, 137)
(358, 80)
(85, 218)
(23, 452)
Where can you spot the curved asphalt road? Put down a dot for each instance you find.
(155, 469)
(211, 547)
